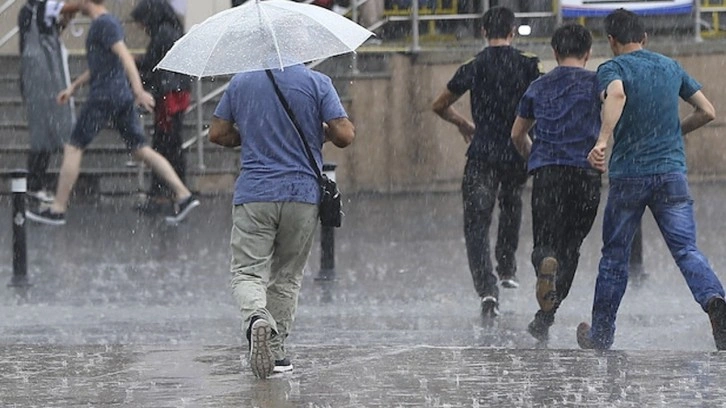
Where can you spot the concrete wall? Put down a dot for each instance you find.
(706, 147)
(401, 145)
(200, 10)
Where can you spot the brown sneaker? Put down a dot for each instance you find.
(583, 336)
(717, 315)
(545, 288)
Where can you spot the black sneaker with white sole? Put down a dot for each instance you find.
(46, 217)
(489, 307)
(282, 366)
(182, 209)
(509, 282)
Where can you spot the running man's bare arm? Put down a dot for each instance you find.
(442, 107)
(340, 132)
(520, 136)
(66, 94)
(223, 133)
(703, 112)
(143, 98)
(612, 109)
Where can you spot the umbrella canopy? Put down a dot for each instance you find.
(260, 35)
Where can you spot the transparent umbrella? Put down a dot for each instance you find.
(260, 35)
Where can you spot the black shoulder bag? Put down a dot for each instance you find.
(330, 209)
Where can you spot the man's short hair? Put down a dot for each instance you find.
(571, 40)
(498, 22)
(624, 26)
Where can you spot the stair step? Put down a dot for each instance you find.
(16, 132)
(13, 112)
(124, 181)
(117, 156)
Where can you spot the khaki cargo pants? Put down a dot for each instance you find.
(270, 245)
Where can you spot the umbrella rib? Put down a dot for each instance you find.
(268, 23)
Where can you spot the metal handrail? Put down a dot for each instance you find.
(7, 5)
(10, 34)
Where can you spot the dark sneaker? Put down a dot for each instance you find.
(152, 206)
(489, 307)
(46, 217)
(282, 366)
(717, 315)
(182, 209)
(262, 362)
(539, 328)
(545, 287)
(509, 282)
(583, 337)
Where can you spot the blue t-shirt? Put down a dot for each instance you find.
(108, 78)
(496, 79)
(565, 104)
(275, 167)
(648, 137)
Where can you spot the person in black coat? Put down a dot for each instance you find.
(170, 90)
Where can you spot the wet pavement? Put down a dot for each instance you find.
(127, 311)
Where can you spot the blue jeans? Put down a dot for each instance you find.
(670, 202)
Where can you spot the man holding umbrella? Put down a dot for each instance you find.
(275, 199)
(281, 113)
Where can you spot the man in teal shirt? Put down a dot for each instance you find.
(640, 92)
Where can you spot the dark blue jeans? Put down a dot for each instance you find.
(670, 202)
(484, 183)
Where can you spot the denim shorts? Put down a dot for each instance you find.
(100, 113)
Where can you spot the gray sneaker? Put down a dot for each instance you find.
(262, 361)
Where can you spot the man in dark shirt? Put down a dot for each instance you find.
(496, 79)
(564, 109)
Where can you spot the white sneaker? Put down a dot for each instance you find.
(41, 195)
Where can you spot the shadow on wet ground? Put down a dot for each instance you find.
(127, 311)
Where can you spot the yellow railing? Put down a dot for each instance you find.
(714, 8)
(426, 7)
